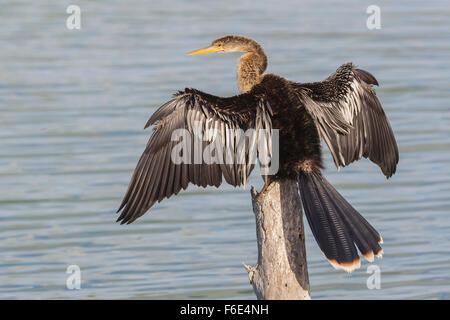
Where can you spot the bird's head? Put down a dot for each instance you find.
(230, 43)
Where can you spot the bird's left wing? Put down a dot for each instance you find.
(349, 117)
(198, 138)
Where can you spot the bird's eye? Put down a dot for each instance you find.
(219, 44)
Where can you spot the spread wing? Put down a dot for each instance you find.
(350, 119)
(197, 138)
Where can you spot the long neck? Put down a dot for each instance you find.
(251, 67)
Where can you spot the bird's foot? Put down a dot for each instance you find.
(258, 196)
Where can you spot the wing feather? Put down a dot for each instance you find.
(207, 120)
(350, 119)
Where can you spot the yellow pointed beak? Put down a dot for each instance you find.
(204, 50)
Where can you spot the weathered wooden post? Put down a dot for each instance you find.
(281, 272)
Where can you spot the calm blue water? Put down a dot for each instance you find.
(73, 105)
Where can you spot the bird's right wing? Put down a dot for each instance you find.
(198, 138)
(349, 117)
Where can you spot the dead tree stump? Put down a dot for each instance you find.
(281, 272)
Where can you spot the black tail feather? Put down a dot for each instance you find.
(336, 225)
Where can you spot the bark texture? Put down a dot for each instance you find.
(281, 272)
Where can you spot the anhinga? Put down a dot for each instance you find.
(343, 110)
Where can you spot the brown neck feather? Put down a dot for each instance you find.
(251, 66)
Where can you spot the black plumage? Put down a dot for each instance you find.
(336, 225)
(343, 110)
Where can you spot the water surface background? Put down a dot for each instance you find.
(73, 104)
